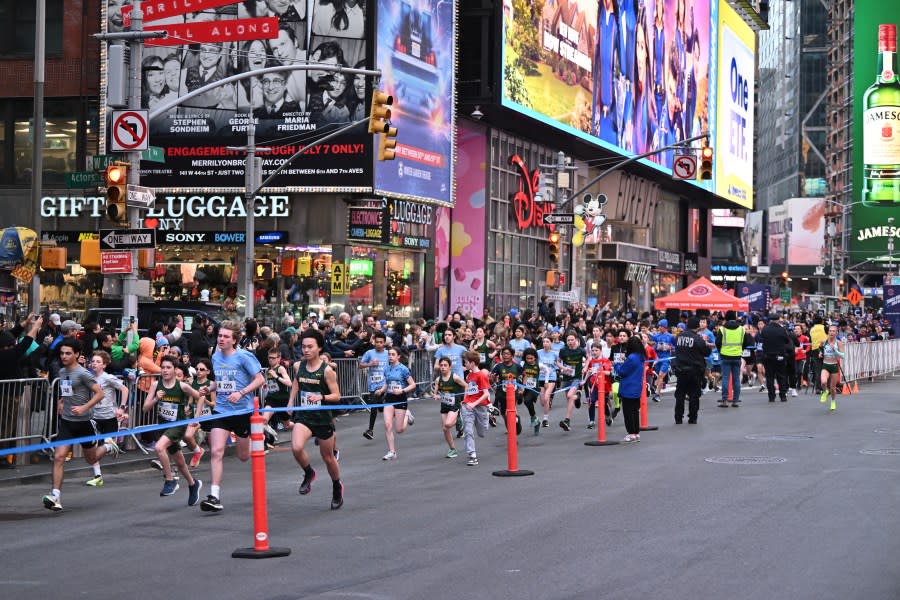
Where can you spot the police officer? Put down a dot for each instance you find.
(776, 346)
(691, 351)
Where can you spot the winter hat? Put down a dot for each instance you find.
(161, 340)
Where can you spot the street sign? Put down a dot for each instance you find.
(338, 280)
(129, 130)
(684, 167)
(153, 154)
(785, 296)
(140, 196)
(120, 239)
(82, 179)
(115, 263)
(559, 218)
(854, 297)
(99, 163)
(570, 296)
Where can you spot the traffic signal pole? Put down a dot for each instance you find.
(129, 281)
(37, 149)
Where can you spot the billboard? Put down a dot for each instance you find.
(415, 54)
(806, 230)
(776, 237)
(211, 40)
(734, 121)
(876, 137)
(753, 237)
(629, 76)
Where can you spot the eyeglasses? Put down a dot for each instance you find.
(273, 83)
(202, 369)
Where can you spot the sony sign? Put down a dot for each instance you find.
(170, 207)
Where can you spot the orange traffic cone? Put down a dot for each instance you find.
(855, 387)
(845, 390)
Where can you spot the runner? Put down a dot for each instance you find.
(475, 404)
(519, 343)
(451, 350)
(374, 361)
(831, 368)
(278, 387)
(529, 393)
(315, 384)
(596, 384)
(547, 359)
(202, 407)
(398, 382)
(78, 393)
(570, 362)
(504, 372)
(485, 348)
(237, 376)
(107, 412)
(449, 388)
(171, 398)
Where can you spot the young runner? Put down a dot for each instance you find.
(398, 382)
(503, 372)
(374, 361)
(107, 412)
(202, 407)
(570, 363)
(596, 384)
(485, 348)
(449, 388)
(171, 398)
(519, 343)
(547, 359)
(315, 384)
(531, 370)
(277, 387)
(475, 404)
(832, 352)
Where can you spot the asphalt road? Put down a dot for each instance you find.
(655, 519)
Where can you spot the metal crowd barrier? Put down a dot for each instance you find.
(871, 359)
(27, 414)
(352, 380)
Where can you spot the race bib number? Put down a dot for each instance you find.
(168, 411)
(395, 388)
(376, 378)
(759, 346)
(306, 399)
(482, 357)
(530, 382)
(272, 387)
(595, 369)
(471, 388)
(745, 354)
(226, 387)
(567, 371)
(65, 388)
(618, 357)
(448, 399)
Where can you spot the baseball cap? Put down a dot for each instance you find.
(70, 324)
(54, 318)
(663, 323)
(313, 315)
(290, 330)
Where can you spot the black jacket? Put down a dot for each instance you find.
(691, 351)
(775, 340)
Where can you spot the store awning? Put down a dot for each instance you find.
(702, 294)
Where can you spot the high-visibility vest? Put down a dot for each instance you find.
(732, 342)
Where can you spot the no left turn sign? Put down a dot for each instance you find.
(684, 167)
(129, 131)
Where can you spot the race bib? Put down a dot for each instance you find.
(448, 399)
(595, 369)
(307, 400)
(168, 411)
(759, 346)
(272, 387)
(482, 357)
(530, 382)
(65, 388)
(226, 387)
(471, 388)
(395, 388)
(618, 357)
(745, 354)
(568, 371)
(376, 378)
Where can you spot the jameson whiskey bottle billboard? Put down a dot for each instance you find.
(876, 135)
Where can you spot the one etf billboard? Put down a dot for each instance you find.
(210, 40)
(630, 76)
(734, 122)
(415, 54)
(876, 136)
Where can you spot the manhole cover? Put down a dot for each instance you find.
(882, 452)
(784, 437)
(745, 460)
(887, 431)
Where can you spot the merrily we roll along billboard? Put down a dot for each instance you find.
(210, 40)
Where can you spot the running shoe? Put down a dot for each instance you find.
(114, 449)
(577, 399)
(211, 504)
(268, 429)
(656, 397)
(565, 425)
(591, 425)
(608, 420)
(95, 481)
(824, 397)
(194, 492)
(473, 460)
(518, 425)
(630, 438)
(156, 464)
(52, 502)
(195, 459)
(410, 419)
(337, 454)
(391, 455)
(169, 487)
(833, 405)
(337, 496)
(306, 484)
(762, 388)
(615, 411)
(545, 422)
(369, 434)
(536, 423)
(452, 453)
(723, 404)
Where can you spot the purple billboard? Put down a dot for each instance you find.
(759, 296)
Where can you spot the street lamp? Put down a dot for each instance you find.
(890, 249)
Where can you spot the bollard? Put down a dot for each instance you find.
(512, 447)
(601, 415)
(644, 420)
(261, 548)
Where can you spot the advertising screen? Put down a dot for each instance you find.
(734, 122)
(876, 137)
(209, 41)
(415, 54)
(630, 76)
(806, 227)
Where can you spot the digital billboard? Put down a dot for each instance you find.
(415, 54)
(876, 134)
(805, 228)
(734, 122)
(210, 40)
(630, 76)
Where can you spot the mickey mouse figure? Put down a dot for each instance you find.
(589, 216)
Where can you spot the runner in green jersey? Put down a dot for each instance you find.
(449, 388)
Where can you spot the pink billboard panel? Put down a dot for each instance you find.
(468, 229)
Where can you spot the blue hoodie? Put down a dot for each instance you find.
(631, 376)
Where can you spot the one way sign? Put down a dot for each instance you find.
(127, 239)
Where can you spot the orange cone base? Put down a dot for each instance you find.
(508, 473)
(606, 443)
(254, 553)
(855, 387)
(845, 391)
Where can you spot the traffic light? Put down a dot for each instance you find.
(784, 276)
(552, 279)
(379, 114)
(117, 193)
(706, 163)
(387, 143)
(554, 247)
(841, 287)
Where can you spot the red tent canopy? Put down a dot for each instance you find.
(702, 294)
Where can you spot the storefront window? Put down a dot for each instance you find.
(362, 277)
(61, 119)
(403, 284)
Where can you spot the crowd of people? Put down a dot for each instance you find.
(596, 356)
